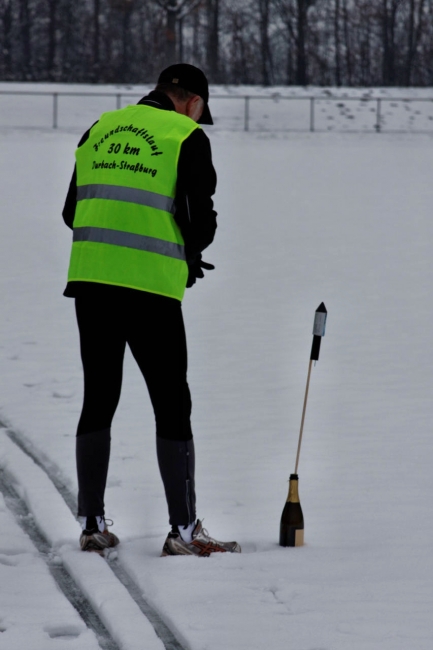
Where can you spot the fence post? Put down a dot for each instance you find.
(118, 100)
(311, 113)
(55, 110)
(247, 114)
(378, 117)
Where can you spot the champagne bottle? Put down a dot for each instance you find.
(292, 519)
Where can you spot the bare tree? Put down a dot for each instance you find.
(294, 14)
(389, 27)
(337, 43)
(26, 49)
(414, 35)
(266, 57)
(301, 66)
(52, 28)
(244, 48)
(125, 9)
(286, 13)
(212, 52)
(6, 19)
(175, 10)
(347, 43)
(195, 34)
(96, 60)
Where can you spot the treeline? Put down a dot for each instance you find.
(319, 42)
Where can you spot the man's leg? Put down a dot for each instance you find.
(102, 349)
(176, 460)
(156, 336)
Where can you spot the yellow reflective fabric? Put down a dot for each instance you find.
(124, 230)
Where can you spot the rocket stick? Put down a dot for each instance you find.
(318, 332)
(303, 415)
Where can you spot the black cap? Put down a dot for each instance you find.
(189, 78)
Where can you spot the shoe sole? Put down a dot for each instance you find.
(204, 552)
(99, 547)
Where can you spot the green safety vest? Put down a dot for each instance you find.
(124, 229)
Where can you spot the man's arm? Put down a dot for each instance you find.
(196, 185)
(68, 213)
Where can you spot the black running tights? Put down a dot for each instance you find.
(153, 328)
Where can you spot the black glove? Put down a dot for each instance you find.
(195, 268)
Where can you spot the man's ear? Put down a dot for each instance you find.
(194, 107)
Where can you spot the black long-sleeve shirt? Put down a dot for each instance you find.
(196, 183)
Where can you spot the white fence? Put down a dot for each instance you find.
(62, 109)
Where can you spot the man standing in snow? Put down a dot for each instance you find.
(140, 207)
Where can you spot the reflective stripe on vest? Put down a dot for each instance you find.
(127, 194)
(129, 240)
(125, 233)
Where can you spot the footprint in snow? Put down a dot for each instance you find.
(63, 394)
(63, 631)
(7, 560)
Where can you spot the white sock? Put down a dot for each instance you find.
(186, 532)
(101, 524)
(99, 520)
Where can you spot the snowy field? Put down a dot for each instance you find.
(303, 218)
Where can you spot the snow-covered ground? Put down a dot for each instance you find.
(280, 108)
(342, 218)
(31, 613)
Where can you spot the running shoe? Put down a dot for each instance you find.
(202, 544)
(92, 539)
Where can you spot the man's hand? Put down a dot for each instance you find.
(195, 267)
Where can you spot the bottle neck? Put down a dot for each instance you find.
(293, 496)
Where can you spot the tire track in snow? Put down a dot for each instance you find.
(161, 628)
(67, 585)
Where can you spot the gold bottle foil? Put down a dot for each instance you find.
(293, 495)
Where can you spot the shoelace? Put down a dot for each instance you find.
(210, 539)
